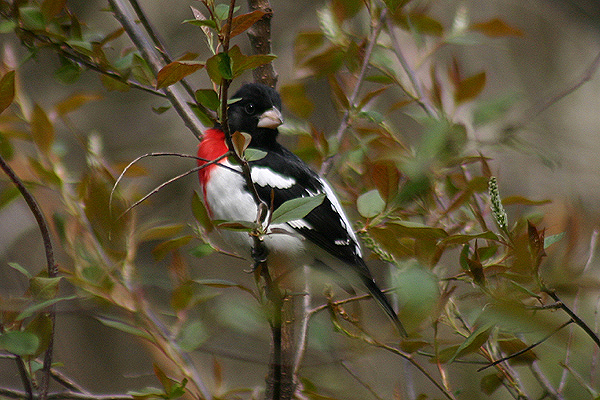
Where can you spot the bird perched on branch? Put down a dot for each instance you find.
(323, 236)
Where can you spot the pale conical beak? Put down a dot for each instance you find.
(270, 119)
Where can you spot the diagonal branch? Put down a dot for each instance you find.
(149, 52)
(328, 163)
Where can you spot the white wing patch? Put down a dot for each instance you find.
(337, 207)
(264, 176)
(299, 224)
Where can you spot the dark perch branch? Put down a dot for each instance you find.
(578, 321)
(260, 40)
(51, 268)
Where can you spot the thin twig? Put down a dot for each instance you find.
(24, 377)
(574, 316)
(536, 371)
(157, 42)
(419, 98)
(359, 380)
(67, 52)
(539, 108)
(15, 394)
(51, 267)
(591, 254)
(165, 183)
(345, 123)
(306, 314)
(526, 349)
(149, 52)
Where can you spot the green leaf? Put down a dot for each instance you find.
(493, 110)
(161, 232)
(201, 22)
(32, 18)
(462, 239)
(417, 230)
(254, 154)
(490, 383)
(201, 250)
(243, 226)
(296, 208)
(44, 288)
(161, 251)
(29, 311)
(222, 11)
(41, 326)
(473, 342)
(124, 327)
(201, 213)
(550, 240)
(208, 98)
(192, 336)
(370, 204)
(219, 68)
(68, 73)
(176, 71)
(19, 342)
(7, 90)
(19, 268)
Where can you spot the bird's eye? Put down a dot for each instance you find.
(250, 108)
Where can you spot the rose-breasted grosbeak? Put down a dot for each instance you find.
(323, 236)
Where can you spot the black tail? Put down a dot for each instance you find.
(383, 302)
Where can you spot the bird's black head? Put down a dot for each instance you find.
(257, 112)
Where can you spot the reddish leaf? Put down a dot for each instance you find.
(345, 9)
(42, 129)
(75, 101)
(523, 201)
(176, 71)
(242, 22)
(470, 88)
(307, 42)
(496, 28)
(50, 8)
(295, 100)
(386, 177)
(338, 92)
(7, 90)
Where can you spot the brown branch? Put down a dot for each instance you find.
(15, 394)
(149, 53)
(51, 267)
(345, 123)
(260, 40)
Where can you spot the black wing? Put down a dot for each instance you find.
(325, 225)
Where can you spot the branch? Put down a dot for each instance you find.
(157, 42)
(526, 349)
(15, 394)
(573, 316)
(419, 98)
(539, 108)
(328, 163)
(149, 52)
(51, 267)
(260, 40)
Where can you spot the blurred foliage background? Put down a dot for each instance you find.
(540, 145)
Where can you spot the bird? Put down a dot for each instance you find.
(324, 237)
